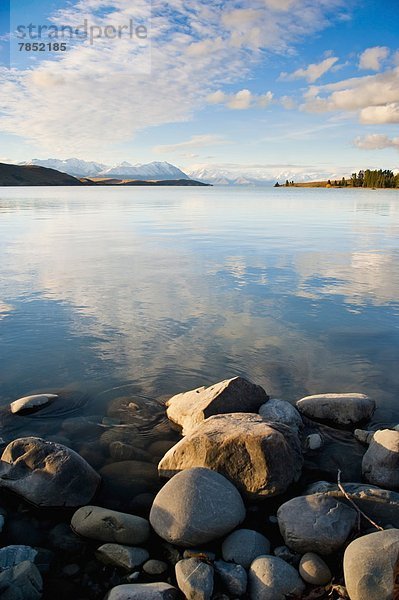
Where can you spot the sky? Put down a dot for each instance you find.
(306, 88)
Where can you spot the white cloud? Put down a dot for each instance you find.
(376, 141)
(91, 97)
(372, 58)
(377, 115)
(196, 141)
(374, 97)
(242, 100)
(312, 72)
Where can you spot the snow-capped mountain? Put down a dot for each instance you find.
(255, 175)
(124, 170)
(150, 171)
(72, 166)
(226, 177)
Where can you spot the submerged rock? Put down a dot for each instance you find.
(340, 409)
(381, 461)
(143, 591)
(195, 579)
(315, 524)
(47, 474)
(271, 578)
(106, 525)
(380, 505)
(243, 546)
(369, 565)
(22, 582)
(31, 403)
(232, 395)
(262, 459)
(281, 411)
(195, 507)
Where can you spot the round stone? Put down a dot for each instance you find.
(243, 546)
(195, 507)
(314, 570)
(271, 578)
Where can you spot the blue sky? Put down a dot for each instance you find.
(302, 88)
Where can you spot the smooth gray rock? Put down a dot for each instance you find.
(22, 582)
(195, 507)
(232, 395)
(125, 557)
(261, 459)
(233, 577)
(47, 474)
(315, 524)
(271, 578)
(243, 546)
(31, 403)
(195, 579)
(142, 591)
(155, 567)
(381, 461)
(340, 409)
(11, 556)
(380, 505)
(369, 564)
(281, 411)
(106, 525)
(314, 570)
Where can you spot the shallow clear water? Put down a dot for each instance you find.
(143, 292)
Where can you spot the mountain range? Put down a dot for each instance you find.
(153, 171)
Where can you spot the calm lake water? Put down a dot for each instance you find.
(137, 293)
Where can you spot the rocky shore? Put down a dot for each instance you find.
(239, 496)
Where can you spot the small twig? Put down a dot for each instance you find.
(355, 506)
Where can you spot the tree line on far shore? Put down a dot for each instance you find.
(366, 179)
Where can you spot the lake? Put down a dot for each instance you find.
(116, 295)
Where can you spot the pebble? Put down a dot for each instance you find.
(155, 567)
(314, 570)
(243, 546)
(233, 577)
(124, 557)
(195, 579)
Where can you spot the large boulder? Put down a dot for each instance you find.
(232, 395)
(262, 459)
(315, 524)
(341, 409)
(106, 525)
(381, 461)
(271, 578)
(243, 546)
(143, 591)
(380, 505)
(47, 473)
(195, 579)
(281, 411)
(369, 565)
(195, 507)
